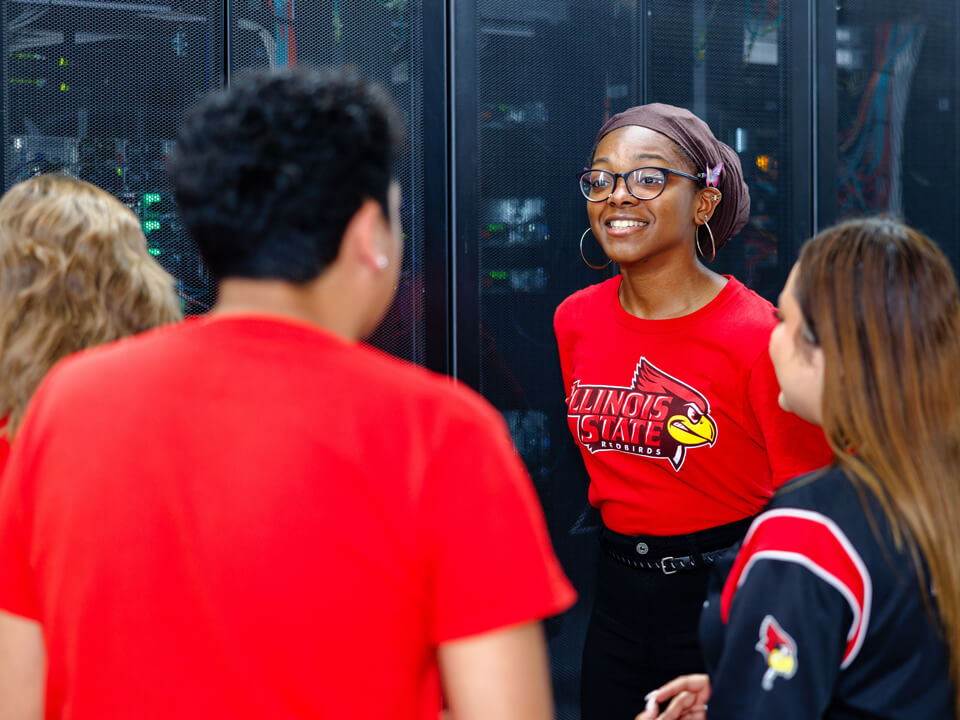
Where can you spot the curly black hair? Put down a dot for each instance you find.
(268, 172)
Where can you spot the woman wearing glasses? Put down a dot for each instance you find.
(671, 396)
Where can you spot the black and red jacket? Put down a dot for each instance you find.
(821, 616)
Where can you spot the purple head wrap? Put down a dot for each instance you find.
(718, 160)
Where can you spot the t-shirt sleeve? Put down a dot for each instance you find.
(4, 444)
(17, 579)
(793, 445)
(491, 561)
(564, 346)
(783, 645)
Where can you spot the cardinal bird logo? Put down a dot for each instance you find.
(778, 649)
(657, 416)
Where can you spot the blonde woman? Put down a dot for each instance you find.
(844, 600)
(74, 272)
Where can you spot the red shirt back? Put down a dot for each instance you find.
(678, 419)
(248, 517)
(4, 443)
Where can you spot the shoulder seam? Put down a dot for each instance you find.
(859, 599)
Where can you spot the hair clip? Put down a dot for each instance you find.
(713, 175)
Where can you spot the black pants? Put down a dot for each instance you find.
(644, 627)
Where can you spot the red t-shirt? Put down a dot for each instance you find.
(249, 517)
(677, 419)
(4, 442)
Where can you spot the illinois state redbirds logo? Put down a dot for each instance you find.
(657, 416)
(778, 649)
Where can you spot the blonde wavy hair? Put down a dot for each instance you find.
(74, 272)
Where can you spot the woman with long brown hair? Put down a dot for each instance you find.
(844, 600)
(74, 273)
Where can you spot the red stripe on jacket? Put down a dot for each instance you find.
(814, 541)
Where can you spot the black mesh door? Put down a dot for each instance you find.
(97, 90)
(535, 81)
(735, 65)
(384, 39)
(893, 111)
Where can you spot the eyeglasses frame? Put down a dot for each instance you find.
(699, 178)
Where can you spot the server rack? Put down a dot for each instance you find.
(502, 101)
(97, 89)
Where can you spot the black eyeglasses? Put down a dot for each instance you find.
(644, 183)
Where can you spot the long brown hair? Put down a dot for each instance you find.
(74, 272)
(882, 302)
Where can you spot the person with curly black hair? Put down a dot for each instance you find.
(261, 195)
(251, 514)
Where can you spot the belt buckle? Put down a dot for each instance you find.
(663, 565)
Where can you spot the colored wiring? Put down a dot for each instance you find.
(755, 30)
(286, 41)
(700, 48)
(337, 22)
(397, 7)
(865, 149)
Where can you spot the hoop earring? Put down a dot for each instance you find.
(590, 264)
(713, 244)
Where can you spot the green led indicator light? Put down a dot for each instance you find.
(150, 225)
(150, 198)
(154, 251)
(498, 274)
(496, 227)
(64, 87)
(120, 171)
(63, 62)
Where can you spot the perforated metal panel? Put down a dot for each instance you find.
(96, 89)
(383, 38)
(546, 73)
(545, 77)
(896, 114)
(732, 64)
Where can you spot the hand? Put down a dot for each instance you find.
(689, 695)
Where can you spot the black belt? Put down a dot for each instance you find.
(669, 564)
(653, 552)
